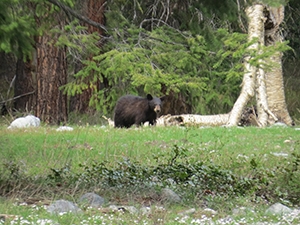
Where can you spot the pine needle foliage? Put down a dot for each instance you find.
(149, 52)
(16, 28)
(138, 61)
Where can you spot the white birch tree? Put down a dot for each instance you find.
(274, 78)
(265, 84)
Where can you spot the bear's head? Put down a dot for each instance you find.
(155, 103)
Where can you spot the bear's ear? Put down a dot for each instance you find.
(149, 97)
(162, 98)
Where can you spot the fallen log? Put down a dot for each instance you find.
(193, 119)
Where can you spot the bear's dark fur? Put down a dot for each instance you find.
(136, 110)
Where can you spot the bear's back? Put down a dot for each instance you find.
(129, 109)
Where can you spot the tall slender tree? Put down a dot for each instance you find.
(274, 76)
(264, 25)
(259, 80)
(51, 69)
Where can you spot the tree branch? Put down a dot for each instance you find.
(77, 15)
(19, 96)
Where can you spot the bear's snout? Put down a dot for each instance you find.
(157, 109)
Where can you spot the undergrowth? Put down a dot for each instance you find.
(193, 180)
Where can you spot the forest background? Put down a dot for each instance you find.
(65, 58)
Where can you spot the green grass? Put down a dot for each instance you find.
(233, 148)
(268, 158)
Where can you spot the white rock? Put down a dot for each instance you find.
(63, 206)
(91, 199)
(131, 209)
(187, 212)
(280, 154)
(28, 121)
(213, 212)
(278, 208)
(170, 196)
(123, 208)
(145, 210)
(64, 128)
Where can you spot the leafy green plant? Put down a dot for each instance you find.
(160, 61)
(210, 163)
(174, 170)
(289, 179)
(59, 175)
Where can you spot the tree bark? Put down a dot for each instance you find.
(255, 31)
(192, 119)
(274, 76)
(268, 86)
(68, 10)
(94, 11)
(24, 85)
(275, 92)
(51, 74)
(7, 76)
(261, 98)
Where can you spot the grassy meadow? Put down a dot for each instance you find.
(216, 167)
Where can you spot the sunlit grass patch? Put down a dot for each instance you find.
(207, 167)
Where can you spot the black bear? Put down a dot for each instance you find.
(137, 110)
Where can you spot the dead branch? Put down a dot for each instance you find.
(77, 15)
(110, 121)
(19, 96)
(11, 85)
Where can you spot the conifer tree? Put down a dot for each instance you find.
(192, 50)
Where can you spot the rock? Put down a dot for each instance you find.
(145, 210)
(64, 128)
(170, 196)
(124, 208)
(187, 212)
(278, 208)
(170, 181)
(210, 211)
(280, 154)
(22, 122)
(92, 200)
(63, 206)
(131, 209)
(114, 208)
(242, 211)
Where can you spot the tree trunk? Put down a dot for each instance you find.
(24, 86)
(261, 98)
(275, 92)
(51, 74)
(7, 77)
(274, 76)
(271, 104)
(255, 31)
(175, 104)
(94, 10)
(191, 119)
